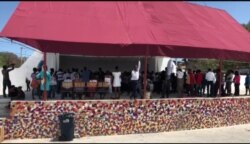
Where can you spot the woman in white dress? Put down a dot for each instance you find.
(117, 82)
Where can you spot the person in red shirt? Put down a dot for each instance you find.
(199, 80)
(190, 82)
(236, 81)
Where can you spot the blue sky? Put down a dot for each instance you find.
(240, 10)
(6, 10)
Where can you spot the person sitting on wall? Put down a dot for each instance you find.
(16, 93)
(13, 92)
(20, 93)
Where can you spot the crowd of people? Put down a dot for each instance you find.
(170, 81)
(55, 79)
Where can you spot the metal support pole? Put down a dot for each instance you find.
(145, 76)
(220, 76)
(45, 75)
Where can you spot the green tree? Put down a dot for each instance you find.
(247, 26)
(7, 58)
(204, 64)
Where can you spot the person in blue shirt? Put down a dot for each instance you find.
(40, 64)
(247, 83)
(44, 85)
(85, 75)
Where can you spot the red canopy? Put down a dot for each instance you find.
(175, 29)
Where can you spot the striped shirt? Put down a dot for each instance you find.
(60, 76)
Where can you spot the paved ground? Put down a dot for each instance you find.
(232, 134)
(4, 111)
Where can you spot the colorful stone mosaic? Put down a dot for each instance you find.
(30, 119)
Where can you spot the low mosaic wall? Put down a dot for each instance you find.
(2, 129)
(34, 119)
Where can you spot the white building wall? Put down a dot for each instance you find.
(53, 60)
(107, 63)
(18, 75)
(161, 63)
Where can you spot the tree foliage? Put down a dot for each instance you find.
(7, 58)
(204, 64)
(247, 26)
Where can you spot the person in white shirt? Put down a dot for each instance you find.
(180, 82)
(173, 78)
(170, 68)
(211, 79)
(116, 82)
(171, 72)
(135, 75)
(67, 75)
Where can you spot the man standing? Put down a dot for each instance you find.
(101, 75)
(53, 84)
(199, 80)
(135, 75)
(229, 81)
(211, 79)
(180, 82)
(171, 72)
(85, 75)
(6, 78)
(165, 83)
(60, 79)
